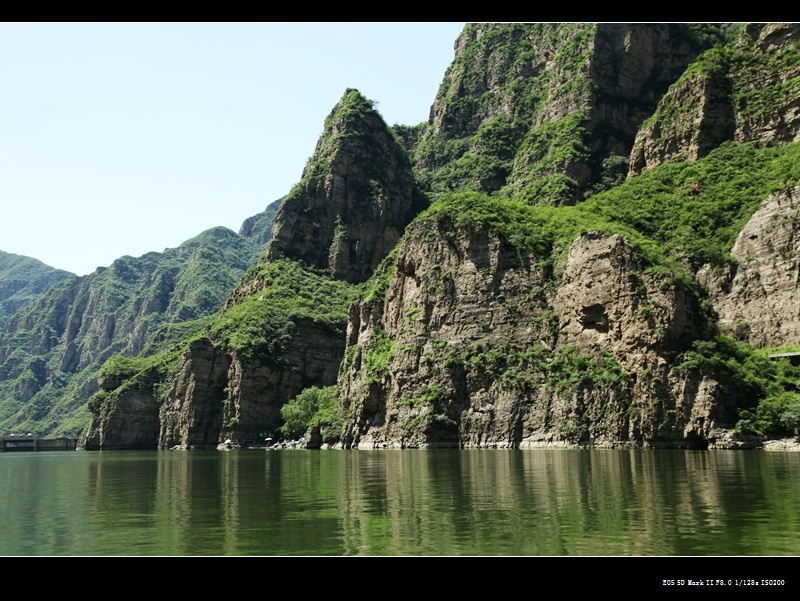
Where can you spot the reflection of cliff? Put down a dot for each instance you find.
(504, 502)
(554, 502)
(437, 502)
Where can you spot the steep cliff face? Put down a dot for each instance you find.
(355, 199)
(756, 298)
(281, 331)
(479, 342)
(748, 92)
(548, 112)
(192, 414)
(130, 421)
(282, 328)
(219, 394)
(630, 66)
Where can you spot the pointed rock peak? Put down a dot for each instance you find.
(353, 119)
(355, 198)
(350, 109)
(353, 100)
(352, 132)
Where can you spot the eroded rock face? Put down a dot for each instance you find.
(133, 424)
(221, 395)
(475, 340)
(259, 390)
(192, 415)
(757, 299)
(355, 199)
(738, 94)
(523, 102)
(605, 300)
(631, 66)
(348, 212)
(128, 421)
(708, 119)
(484, 346)
(259, 227)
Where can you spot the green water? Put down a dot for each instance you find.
(436, 502)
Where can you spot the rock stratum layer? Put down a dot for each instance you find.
(485, 351)
(742, 92)
(757, 296)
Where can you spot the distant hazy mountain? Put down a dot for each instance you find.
(51, 349)
(23, 280)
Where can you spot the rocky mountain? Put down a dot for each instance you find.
(51, 350)
(548, 112)
(747, 92)
(588, 340)
(259, 227)
(356, 196)
(23, 280)
(592, 241)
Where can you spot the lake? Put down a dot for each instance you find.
(413, 502)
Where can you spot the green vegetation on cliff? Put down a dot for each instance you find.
(529, 137)
(120, 374)
(259, 227)
(355, 198)
(678, 215)
(51, 351)
(538, 112)
(283, 293)
(771, 385)
(495, 126)
(694, 211)
(762, 83)
(313, 408)
(353, 120)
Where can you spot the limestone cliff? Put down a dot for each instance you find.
(221, 395)
(281, 331)
(129, 420)
(744, 92)
(548, 112)
(479, 342)
(356, 196)
(540, 299)
(756, 297)
(282, 328)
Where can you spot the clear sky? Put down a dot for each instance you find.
(121, 139)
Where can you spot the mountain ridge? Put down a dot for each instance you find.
(505, 316)
(51, 350)
(580, 247)
(22, 280)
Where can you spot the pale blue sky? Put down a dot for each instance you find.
(121, 139)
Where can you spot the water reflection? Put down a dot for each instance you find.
(438, 502)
